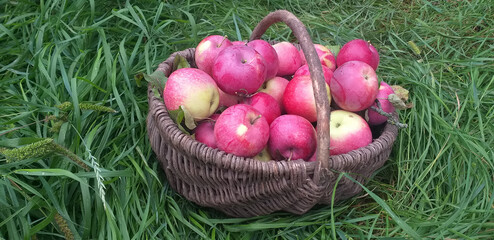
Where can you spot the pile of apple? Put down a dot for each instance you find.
(256, 100)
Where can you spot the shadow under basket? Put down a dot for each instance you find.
(244, 187)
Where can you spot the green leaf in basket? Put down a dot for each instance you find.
(157, 80)
(335, 49)
(189, 119)
(182, 117)
(177, 116)
(180, 62)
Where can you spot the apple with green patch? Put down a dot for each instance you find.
(275, 87)
(348, 131)
(193, 89)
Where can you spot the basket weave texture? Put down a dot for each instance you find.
(244, 187)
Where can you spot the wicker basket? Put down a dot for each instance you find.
(244, 187)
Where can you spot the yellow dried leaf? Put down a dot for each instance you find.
(401, 92)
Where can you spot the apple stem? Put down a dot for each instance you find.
(254, 120)
(391, 118)
(244, 93)
(291, 155)
(221, 43)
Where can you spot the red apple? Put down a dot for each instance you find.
(265, 104)
(204, 132)
(325, 56)
(358, 50)
(354, 86)
(275, 87)
(291, 137)
(194, 89)
(298, 98)
(348, 131)
(227, 100)
(267, 51)
(241, 130)
(304, 70)
(289, 58)
(238, 43)
(313, 158)
(208, 49)
(373, 117)
(239, 70)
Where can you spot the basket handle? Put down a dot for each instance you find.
(316, 72)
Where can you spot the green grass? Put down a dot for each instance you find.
(437, 184)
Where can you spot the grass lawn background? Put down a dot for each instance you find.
(437, 184)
